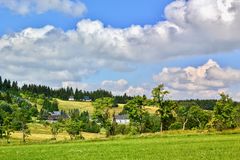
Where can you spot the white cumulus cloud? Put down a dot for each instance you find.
(71, 7)
(205, 81)
(117, 87)
(50, 55)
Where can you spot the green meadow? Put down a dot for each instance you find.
(175, 147)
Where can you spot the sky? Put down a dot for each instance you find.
(191, 46)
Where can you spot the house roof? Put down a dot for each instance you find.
(86, 97)
(55, 113)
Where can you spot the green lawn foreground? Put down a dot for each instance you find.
(179, 147)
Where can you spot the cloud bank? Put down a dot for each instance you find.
(117, 87)
(23, 7)
(50, 55)
(205, 81)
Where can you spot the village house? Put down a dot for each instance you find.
(54, 116)
(122, 119)
(71, 98)
(87, 99)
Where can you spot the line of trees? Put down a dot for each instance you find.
(18, 106)
(35, 91)
(169, 115)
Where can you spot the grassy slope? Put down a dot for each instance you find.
(87, 106)
(41, 133)
(83, 106)
(179, 147)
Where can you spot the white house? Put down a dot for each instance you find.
(71, 98)
(122, 119)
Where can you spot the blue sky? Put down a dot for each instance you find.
(121, 14)
(132, 68)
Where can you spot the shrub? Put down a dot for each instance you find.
(122, 129)
(134, 130)
(175, 126)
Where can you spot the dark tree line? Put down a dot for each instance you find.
(122, 99)
(62, 93)
(207, 104)
(65, 93)
(16, 111)
(6, 85)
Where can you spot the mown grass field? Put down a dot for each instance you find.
(41, 133)
(171, 147)
(68, 105)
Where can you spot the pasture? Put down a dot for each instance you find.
(42, 133)
(168, 147)
(87, 106)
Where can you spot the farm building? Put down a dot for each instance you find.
(54, 116)
(71, 98)
(87, 99)
(122, 119)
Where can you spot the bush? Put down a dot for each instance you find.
(103, 131)
(91, 127)
(79, 137)
(122, 129)
(175, 126)
(134, 130)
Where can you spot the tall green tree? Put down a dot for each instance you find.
(73, 128)
(183, 115)
(224, 113)
(2, 116)
(5, 111)
(135, 109)
(1, 83)
(101, 112)
(199, 116)
(8, 127)
(20, 122)
(165, 107)
(236, 115)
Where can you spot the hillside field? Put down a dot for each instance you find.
(87, 106)
(172, 147)
(41, 133)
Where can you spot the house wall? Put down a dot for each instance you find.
(122, 121)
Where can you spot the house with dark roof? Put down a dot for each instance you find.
(56, 115)
(87, 99)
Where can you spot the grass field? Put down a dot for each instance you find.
(41, 133)
(83, 106)
(68, 105)
(87, 106)
(177, 147)
(170, 145)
